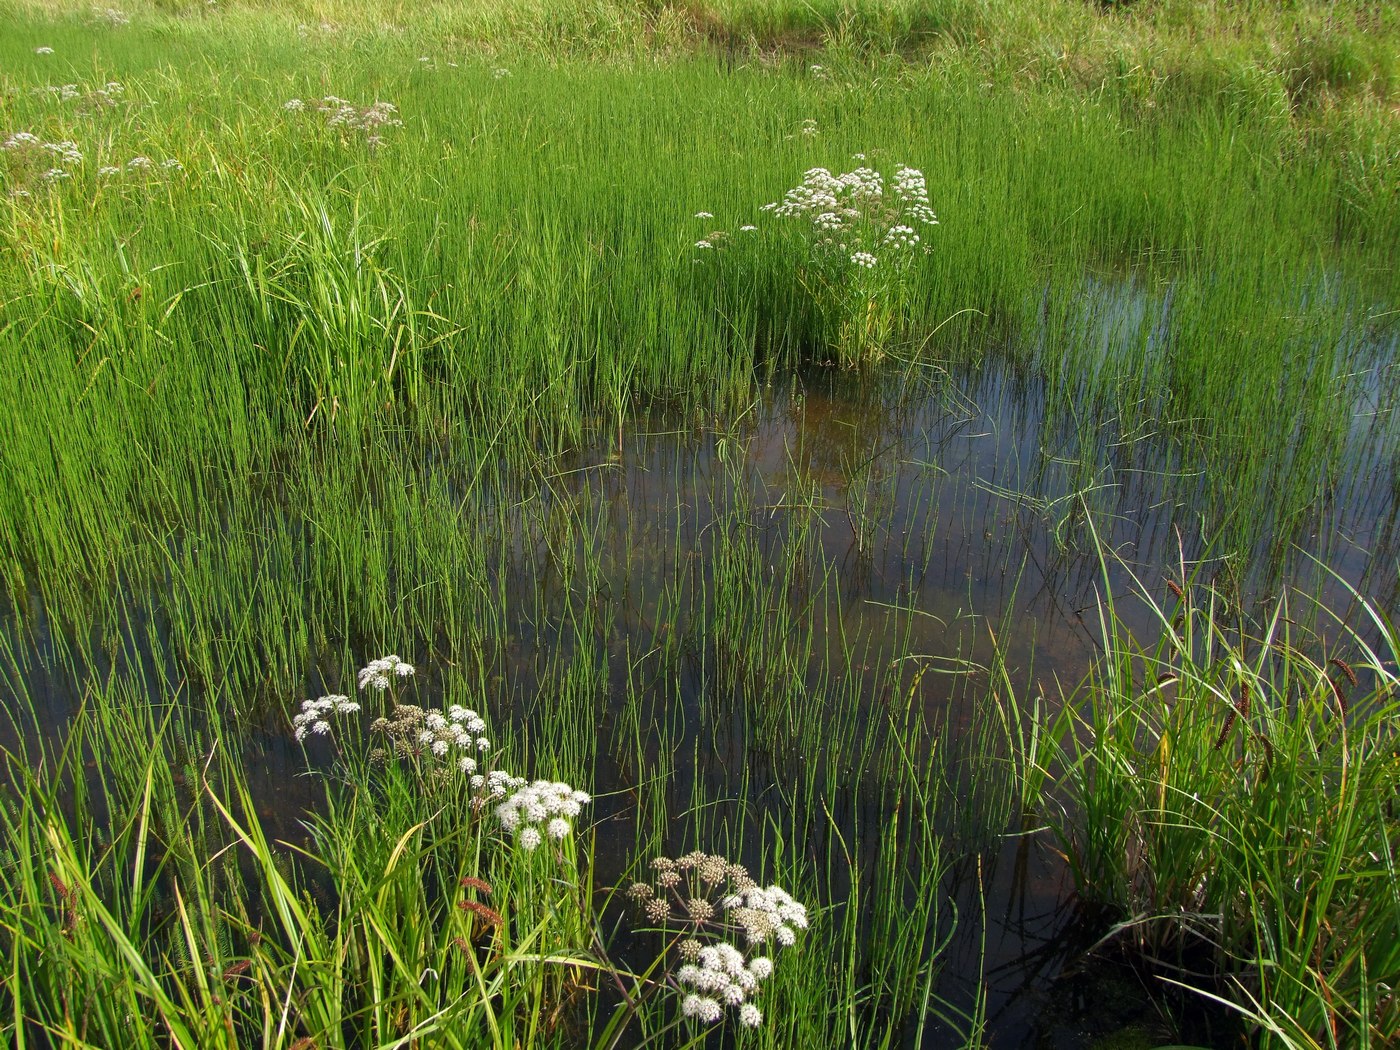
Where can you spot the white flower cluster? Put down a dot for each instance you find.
(43, 50)
(496, 784)
(721, 904)
(720, 977)
(112, 16)
(765, 914)
(817, 193)
(42, 159)
(550, 803)
(823, 193)
(346, 116)
(912, 191)
(62, 92)
(53, 162)
(456, 735)
(314, 717)
(106, 95)
(901, 236)
(142, 163)
(66, 151)
(377, 674)
(853, 215)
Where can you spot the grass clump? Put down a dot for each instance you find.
(1230, 792)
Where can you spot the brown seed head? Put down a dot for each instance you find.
(488, 915)
(1345, 668)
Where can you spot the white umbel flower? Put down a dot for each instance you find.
(546, 803)
(377, 674)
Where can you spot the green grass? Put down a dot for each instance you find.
(304, 399)
(1231, 786)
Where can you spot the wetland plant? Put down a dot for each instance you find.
(860, 238)
(722, 929)
(853, 239)
(715, 904)
(1230, 788)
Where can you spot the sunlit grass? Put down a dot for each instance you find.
(1229, 790)
(289, 384)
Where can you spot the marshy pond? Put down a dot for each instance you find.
(741, 630)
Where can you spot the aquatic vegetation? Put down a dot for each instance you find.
(717, 900)
(1229, 787)
(708, 906)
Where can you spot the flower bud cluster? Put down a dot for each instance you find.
(724, 907)
(401, 729)
(455, 740)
